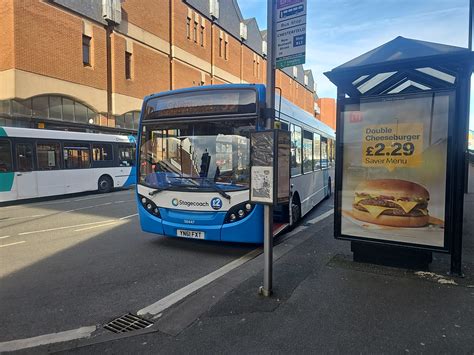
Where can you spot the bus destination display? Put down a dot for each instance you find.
(201, 103)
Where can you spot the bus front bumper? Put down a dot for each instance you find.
(204, 225)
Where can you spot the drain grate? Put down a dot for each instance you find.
(127, 323)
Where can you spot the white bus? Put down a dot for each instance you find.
(312, 158)
(40, 163)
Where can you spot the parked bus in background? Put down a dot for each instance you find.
(194, 158)
(40, 163)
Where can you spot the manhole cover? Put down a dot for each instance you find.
(127, 323)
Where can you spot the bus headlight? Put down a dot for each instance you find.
(238, 212)
(150, 206)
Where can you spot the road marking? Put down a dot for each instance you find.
(66, 227)
(12, 218)
(321, 217)
(87, 207)
(88, 198)
(99, 226)
(100, 196)
(5, 237)
(34, 204)
(68, 335)
(130, 216)
(9, 245)
(166, 302)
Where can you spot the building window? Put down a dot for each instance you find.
(202, 36)
(86, 50)
(80, 113)
(258, 68)
(220, 47)
(55, 107)
(48, 156)
(40, 106)
(195, 32)
(188, 28)
(128, 65)
(24, 157)
(68, 110)
(226, 50)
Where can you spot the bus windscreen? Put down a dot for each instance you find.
(202, 103)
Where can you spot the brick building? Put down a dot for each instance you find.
(87, 64)
(327, 111)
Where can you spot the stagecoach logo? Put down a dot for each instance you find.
(178, 202)
(216, 203)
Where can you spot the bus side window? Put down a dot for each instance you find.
(330, 151)
(317, 151)
(24, 157)
(102, 152)
(48, 155)
(307, 152)
(76, 156)
(126, 155)
(5, 156)
(296, 166)
(324, 153)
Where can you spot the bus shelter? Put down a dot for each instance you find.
(402, 123)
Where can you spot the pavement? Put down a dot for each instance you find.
(323, 302)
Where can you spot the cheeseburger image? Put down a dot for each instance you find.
(391, 202)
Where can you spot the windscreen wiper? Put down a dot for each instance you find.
(217, 188)
(211, 183)
(155, 191)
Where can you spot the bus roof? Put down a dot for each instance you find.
(294, 112)
(290, 112)
(66, 135)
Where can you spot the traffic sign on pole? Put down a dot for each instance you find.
(290, 41)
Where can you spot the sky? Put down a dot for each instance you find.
(340, 30)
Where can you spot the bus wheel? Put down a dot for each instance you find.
(295, 211)
(105, 184)
(329, 191)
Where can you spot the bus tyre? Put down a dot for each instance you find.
(105, 184)
(329, 190)
(295, 212)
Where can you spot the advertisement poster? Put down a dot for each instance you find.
(394, 169)
(262, 184)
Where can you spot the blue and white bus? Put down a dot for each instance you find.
(194, 156)
(39, 163)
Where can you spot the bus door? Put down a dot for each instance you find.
(25, 176)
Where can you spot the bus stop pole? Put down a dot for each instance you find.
(270, 109)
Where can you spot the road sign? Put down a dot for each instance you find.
(290, 41)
